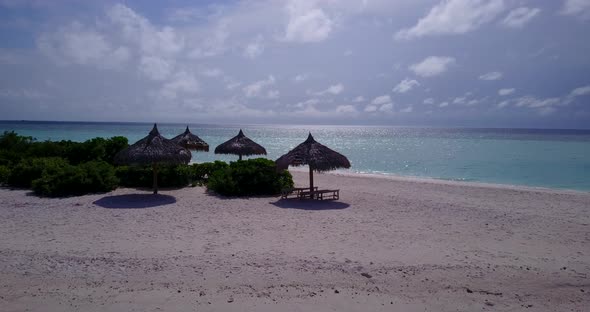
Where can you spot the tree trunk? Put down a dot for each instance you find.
(311, 181)
(155, 170)
(240, 157)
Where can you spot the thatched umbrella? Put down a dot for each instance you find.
(154, 149)
(240, 145)
(319, 158)
(191, 141)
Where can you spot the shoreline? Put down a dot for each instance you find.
(402, 178)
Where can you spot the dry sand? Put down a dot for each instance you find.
(387, 245)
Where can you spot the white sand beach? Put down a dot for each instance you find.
(388, 244)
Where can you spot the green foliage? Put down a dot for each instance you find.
(86, 178)
(250, 177)
(13, 148)
(200, 173)
(27, 170)
(12, 141)
(70, 168)
(142, 176)
(4, 174)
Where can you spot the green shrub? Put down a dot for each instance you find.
(14, 147)
(250, 177)
(12, 141)
(134, 176)
(28, 170)
(142, 176)
(200, 173)
(4, 174)
(86, 178)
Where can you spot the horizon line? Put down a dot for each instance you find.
(290, 124)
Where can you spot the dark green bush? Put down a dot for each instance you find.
(250, 177)
(142, 176)
(200, 173)
(4, 174)
(28, 170)
(13, 148)
(86, 178)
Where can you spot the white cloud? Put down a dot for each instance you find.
(182, 82)
(406, 85)
(76, 44)
(518, 17)
(345, 109)
(212, 72)
(443, 104)
(580, 91)
(428, 101)
(273, 94)
(491, 76)
(533, 102)
(138, 30)
(232, 85)
(307, 22)
(408, 109)
(254, 48)
(503, 104)
(580, 8)
(359, 99)
(507, 91)
(460, 100)
(454, 17)
(210, 43)
(386, 108)
(333, 89)
(255, 88)
(155, 68)
(300, 78)
(381, 103)
(432, 66)
(380, 100)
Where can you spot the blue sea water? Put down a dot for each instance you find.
(531, 157)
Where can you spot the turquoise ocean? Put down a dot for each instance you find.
(531, 157)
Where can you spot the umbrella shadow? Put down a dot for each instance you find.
(309, 204)
(135, 201)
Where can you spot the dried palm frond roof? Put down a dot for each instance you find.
(319, 157)
(191, 141)
(240, 145)
(154, 149)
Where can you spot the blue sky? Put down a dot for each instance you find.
(477, 63)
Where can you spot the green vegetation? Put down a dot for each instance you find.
(89, 177)
(67, 168)
(250, 177)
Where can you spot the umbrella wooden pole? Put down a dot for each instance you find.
(311, 181)
(155, 170)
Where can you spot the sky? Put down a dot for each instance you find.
(467, 63)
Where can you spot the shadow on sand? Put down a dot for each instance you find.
(135, 201)
(310, 204)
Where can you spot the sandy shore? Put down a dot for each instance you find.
(387, 245)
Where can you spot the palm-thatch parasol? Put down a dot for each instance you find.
(319, 158)
(191, 141)
(154, 149)
(240, 145)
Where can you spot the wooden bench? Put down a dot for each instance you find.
(296, 191)
(320, 194)
(327, 194)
